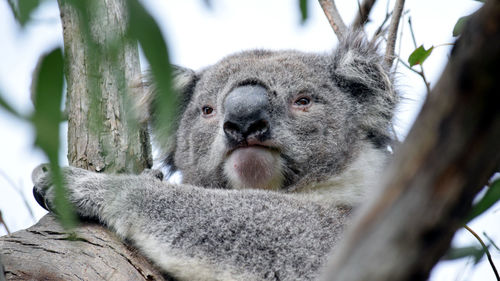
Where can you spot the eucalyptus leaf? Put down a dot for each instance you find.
(46, 119)
(463, 252)
(419, 55)
(144, 29)
(491, 196)
(22, 9)
(304, 13)
(459, 26)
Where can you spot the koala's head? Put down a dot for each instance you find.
(280, 119)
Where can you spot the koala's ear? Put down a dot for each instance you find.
(184, 82)
(358, 70)
(145, 99)
(145, 95)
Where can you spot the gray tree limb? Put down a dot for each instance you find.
(44, 252)
(448, 156)
(392, 34)
(101, 136)
(333, 16)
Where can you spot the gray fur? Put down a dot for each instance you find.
(325, 157)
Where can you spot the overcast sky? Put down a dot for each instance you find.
(198, 37)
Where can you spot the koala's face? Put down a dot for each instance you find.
(269, 120)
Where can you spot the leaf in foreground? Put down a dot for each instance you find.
(459, 26)
(464, 252)
(46, 119)
(145, 30)
(491, 196)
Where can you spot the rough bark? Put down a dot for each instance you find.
(43, 252)
(2, 272)
(451, 151)
(101, 138)
(98, 73)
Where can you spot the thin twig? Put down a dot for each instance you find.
(364, 12)
(334, 18)
(486, 250)
(393, 32)
(421, 72)
(2, 222)
(400, 41)
(380, 29)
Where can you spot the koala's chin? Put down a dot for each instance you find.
(254, 167)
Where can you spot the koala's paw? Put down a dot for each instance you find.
(153, 173)
(44, 190)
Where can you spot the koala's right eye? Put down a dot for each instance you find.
(207, 111)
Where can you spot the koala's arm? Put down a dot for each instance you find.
(194, 233)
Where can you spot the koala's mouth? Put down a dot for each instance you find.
(254, 166)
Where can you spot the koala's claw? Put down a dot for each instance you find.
(41, 180)
(40, 199)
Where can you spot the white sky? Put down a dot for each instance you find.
(197, 37)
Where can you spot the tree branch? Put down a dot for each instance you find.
(393, 32)
(448, 156)
(485, 248)
(334, 18)
(363, 14)
(45, 252)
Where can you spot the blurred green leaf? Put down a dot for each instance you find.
(144, 29)
(46, 119)
(22, 9)
(459, 26)
(304, 13)
(419, 55)
(463, 252)
(491, 196)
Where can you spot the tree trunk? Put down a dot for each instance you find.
(100, 64)
(448, 156)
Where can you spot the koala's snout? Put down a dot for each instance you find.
(246, 116)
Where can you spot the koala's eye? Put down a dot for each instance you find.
(302, 102)
(207, 110)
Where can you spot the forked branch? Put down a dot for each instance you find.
(393, 32)
(334, 18)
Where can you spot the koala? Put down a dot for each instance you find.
(275, 148)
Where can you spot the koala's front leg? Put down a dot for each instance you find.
(85, 189)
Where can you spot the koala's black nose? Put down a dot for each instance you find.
(246, 114)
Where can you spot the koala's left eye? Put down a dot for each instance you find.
(302, 102)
